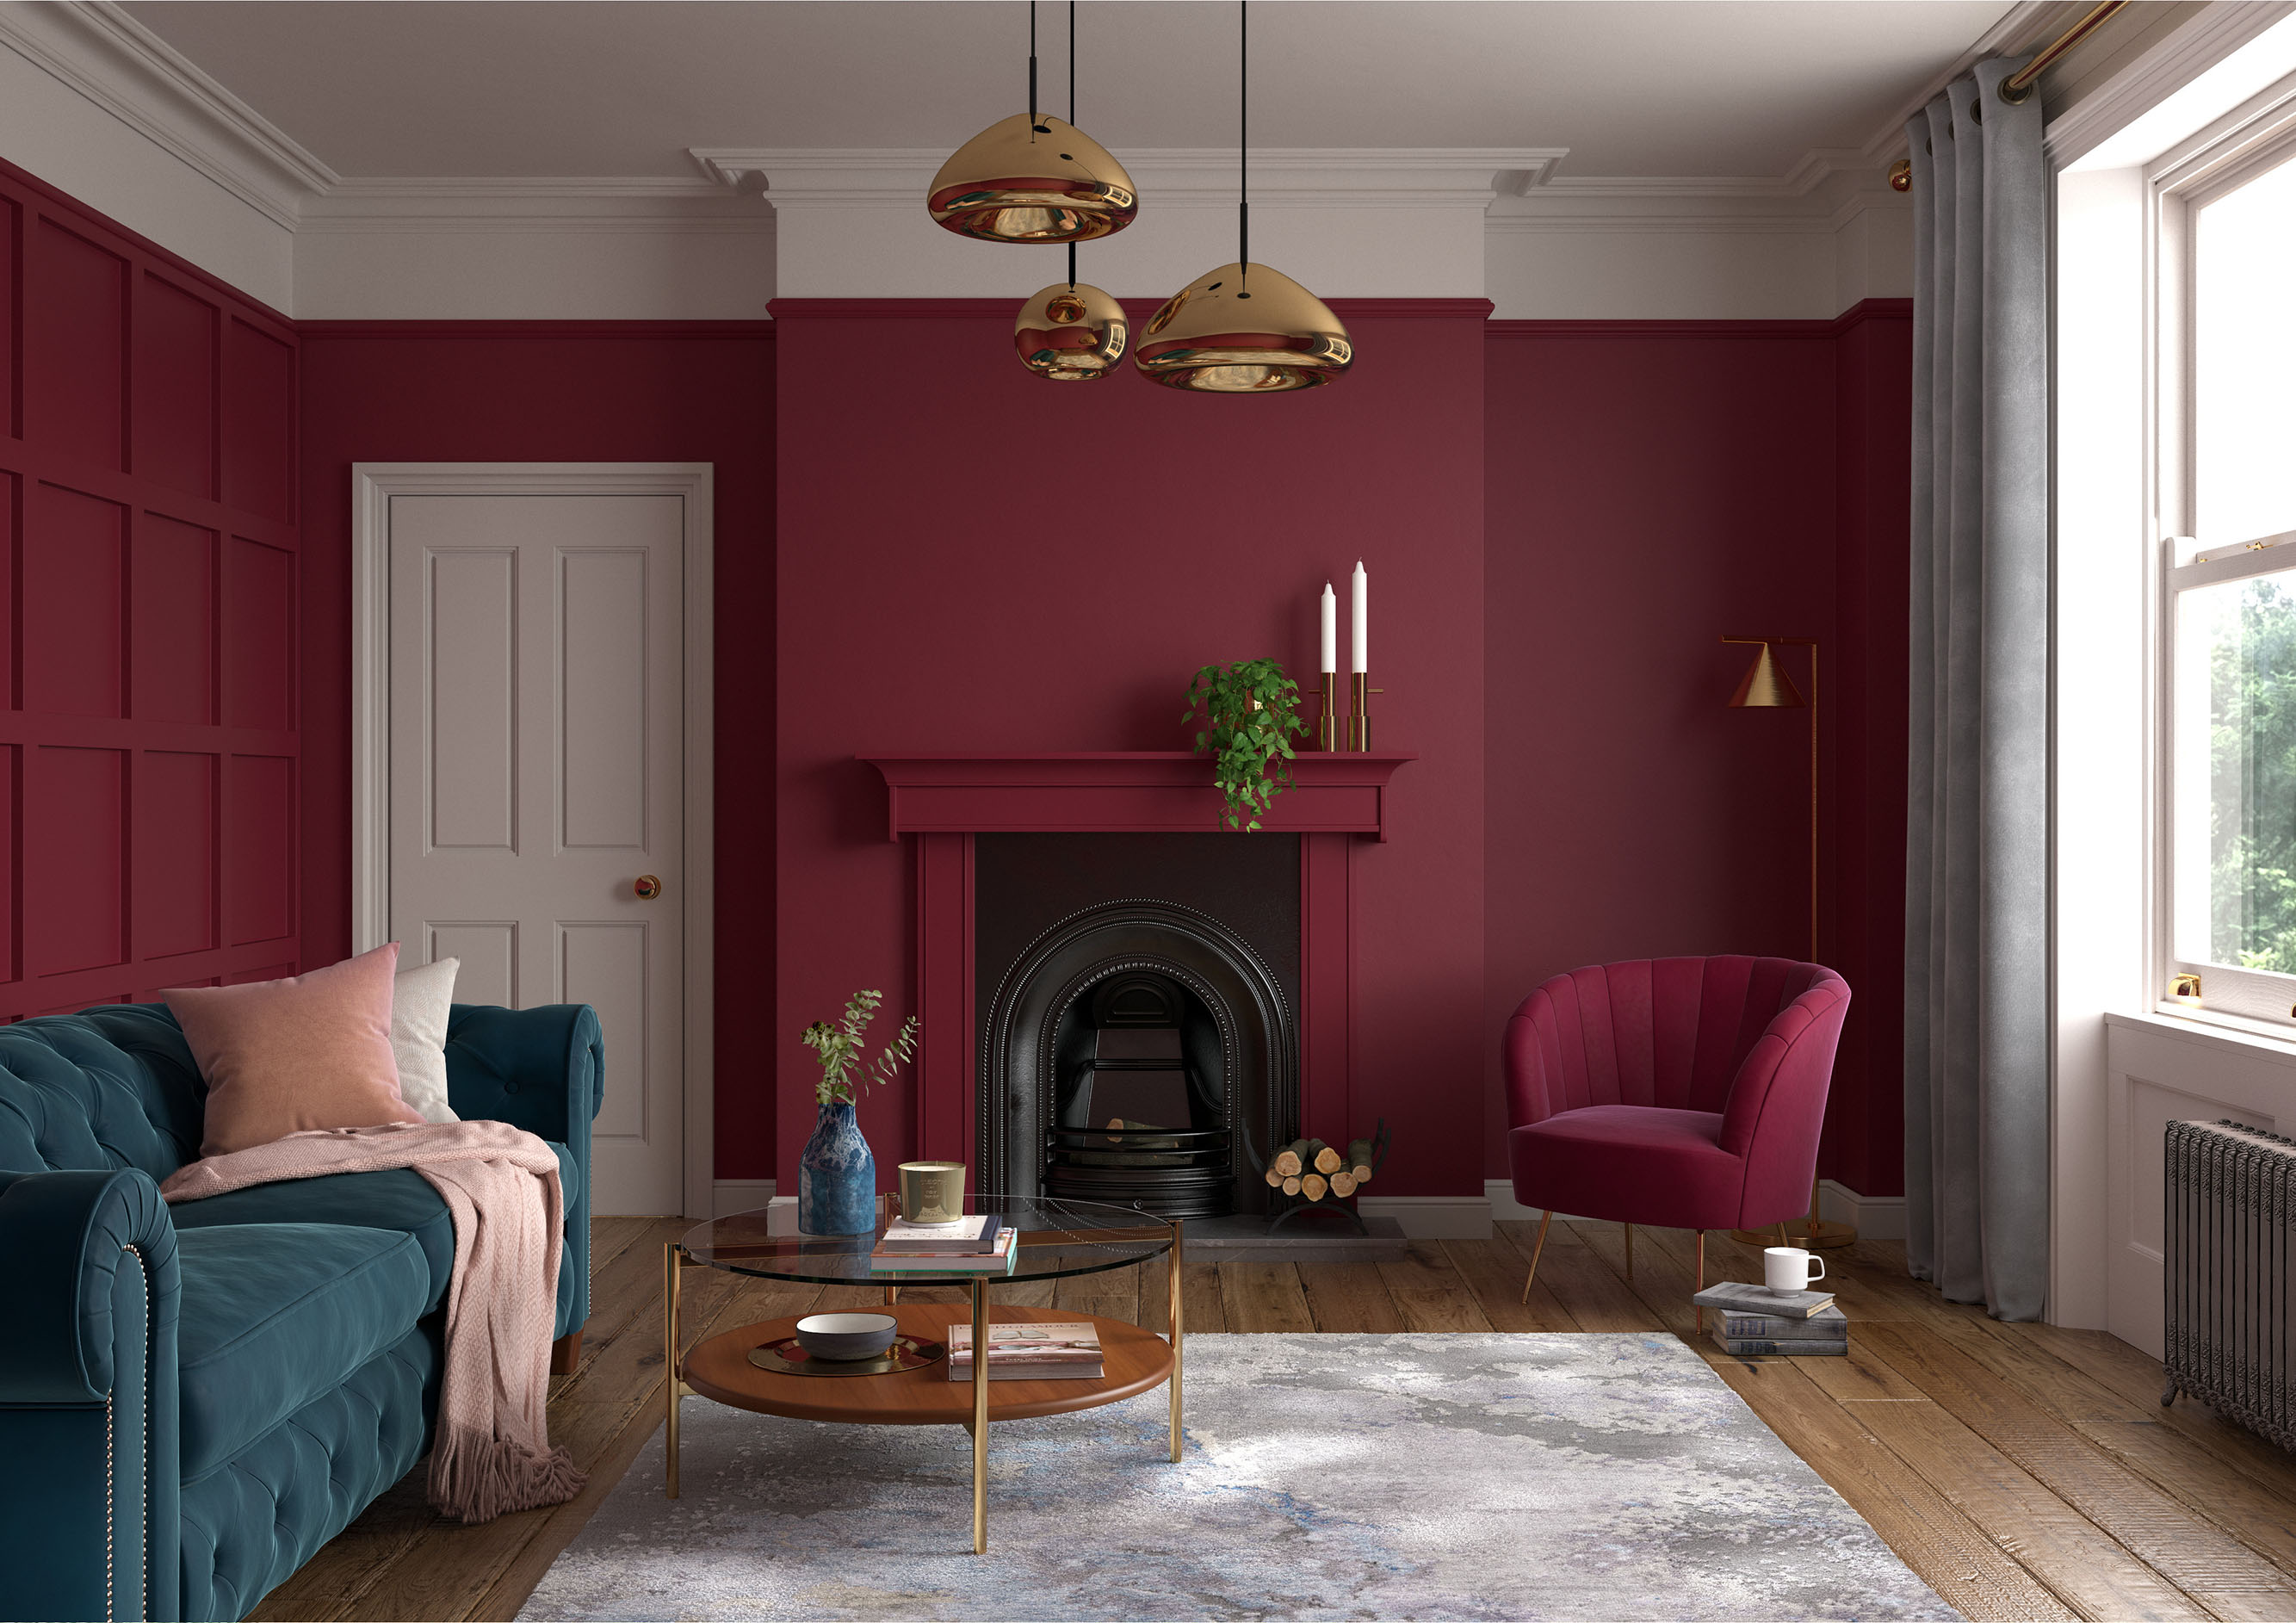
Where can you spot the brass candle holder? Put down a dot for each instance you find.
(1327, 725)
(1359, 693)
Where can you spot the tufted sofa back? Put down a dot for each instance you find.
(105, 1088)
(1668, 1032)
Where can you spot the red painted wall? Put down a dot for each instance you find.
(1653, 486)
(1866, 1129)
(971, 558)
(582, 391)
(149, 730)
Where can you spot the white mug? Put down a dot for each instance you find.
(1788, 1267)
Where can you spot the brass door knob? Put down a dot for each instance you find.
(648, 887)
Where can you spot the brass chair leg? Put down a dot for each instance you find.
(1781, 1233)
(1630, 1252)
(1545, 1218)
(1701, 1279)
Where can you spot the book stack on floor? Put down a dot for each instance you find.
(969, 1245)
(1754, 1321)
(1029, 1352)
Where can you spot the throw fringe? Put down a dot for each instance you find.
(476, 1477)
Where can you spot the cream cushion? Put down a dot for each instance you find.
(286, 1056)
(420, 999)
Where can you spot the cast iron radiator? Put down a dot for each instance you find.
(2231, 1198)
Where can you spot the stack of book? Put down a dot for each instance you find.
(970, 1245)
(1753, 1321)
(1029, 1352)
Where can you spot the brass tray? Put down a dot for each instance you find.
(786, 1357)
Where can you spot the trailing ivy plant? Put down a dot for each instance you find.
(844, 1078)
(1250, 711)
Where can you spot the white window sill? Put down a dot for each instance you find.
(2213, 1029)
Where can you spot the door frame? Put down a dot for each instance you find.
(374, 483)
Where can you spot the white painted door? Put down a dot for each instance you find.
(536, 777)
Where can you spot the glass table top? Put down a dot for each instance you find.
(1059, 1239)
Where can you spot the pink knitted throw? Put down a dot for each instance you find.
(491, 1452)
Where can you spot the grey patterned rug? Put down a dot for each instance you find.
(1353, 1477)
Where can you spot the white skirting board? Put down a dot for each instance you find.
(1422, 1216)
(1876, 1216)
(729, 1195)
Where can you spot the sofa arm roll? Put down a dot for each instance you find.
(63, 1239)
(90, 1523)
(542, 1070)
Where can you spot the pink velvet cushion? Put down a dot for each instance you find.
(285, 1056)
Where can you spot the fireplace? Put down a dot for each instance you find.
(957, 812)
(1139, 1053)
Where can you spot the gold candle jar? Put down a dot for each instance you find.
(932, 1191)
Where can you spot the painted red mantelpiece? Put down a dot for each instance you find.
(1136, 791)
(942, 800)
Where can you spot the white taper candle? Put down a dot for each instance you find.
(1331, 606)
(1362, 662)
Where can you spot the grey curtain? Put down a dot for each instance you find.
(1977, 922)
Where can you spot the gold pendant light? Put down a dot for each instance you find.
(1244, 329)
(1072, 331)
(1033, 178)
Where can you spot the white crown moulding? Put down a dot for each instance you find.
(484, 203)
(131, 73)
(1350, 177)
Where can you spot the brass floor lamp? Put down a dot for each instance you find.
(1767, 687)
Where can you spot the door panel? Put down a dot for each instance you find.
(536, 739)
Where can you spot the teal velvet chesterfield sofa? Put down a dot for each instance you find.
(193, 1400)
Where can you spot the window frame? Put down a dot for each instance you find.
(2214, 163)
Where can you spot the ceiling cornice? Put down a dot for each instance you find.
(453, 203)
(1299, 177)
(116, 63)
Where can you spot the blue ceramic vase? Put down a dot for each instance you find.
(836, 1177)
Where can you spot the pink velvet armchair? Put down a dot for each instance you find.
(1681, 1092)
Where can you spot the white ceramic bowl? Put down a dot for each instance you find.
(844, 1336)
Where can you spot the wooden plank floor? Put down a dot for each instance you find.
(2025, 1471)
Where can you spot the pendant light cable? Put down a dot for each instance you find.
(1071, 117)
(1243, 144)
(1032, 72)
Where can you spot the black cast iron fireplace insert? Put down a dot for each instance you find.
(1142, 1053)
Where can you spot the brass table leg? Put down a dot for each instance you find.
(981, 1417)
(1176, 1343)
(672, 1375)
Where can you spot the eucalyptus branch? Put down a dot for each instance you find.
(844, 1076)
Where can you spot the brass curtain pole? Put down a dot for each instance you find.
(2019, 85)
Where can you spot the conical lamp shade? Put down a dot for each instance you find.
(1233, 334)
(1049, 182)
(1071, 333)
(1766, 687)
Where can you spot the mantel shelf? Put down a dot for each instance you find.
(1148, 792)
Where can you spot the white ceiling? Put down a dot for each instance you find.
(611, 89)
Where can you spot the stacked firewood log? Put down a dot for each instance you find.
(1311, 1169)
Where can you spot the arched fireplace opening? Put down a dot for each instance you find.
(1138, 1053)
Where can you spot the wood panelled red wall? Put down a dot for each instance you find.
(148, 741)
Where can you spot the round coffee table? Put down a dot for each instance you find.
(1057, 1240)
